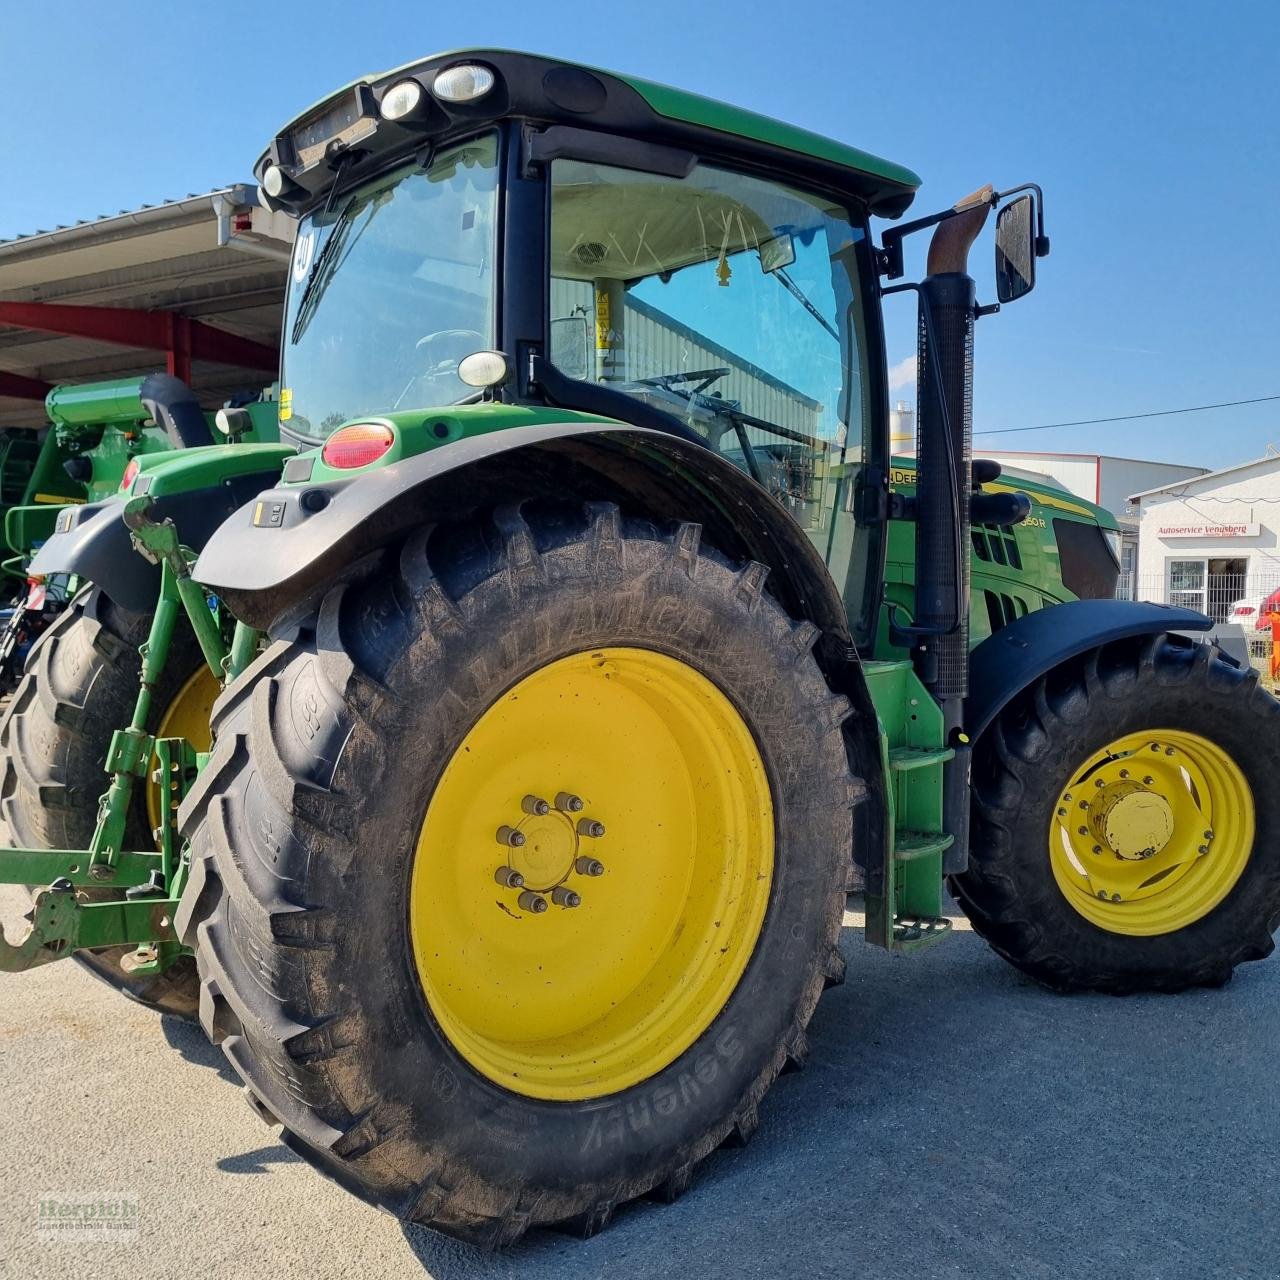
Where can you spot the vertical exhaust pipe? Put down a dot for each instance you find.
(944, 447)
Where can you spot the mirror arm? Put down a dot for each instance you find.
(889, 260)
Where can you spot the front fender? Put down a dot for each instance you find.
(92, 542)
(1014, 657)
(291, 543)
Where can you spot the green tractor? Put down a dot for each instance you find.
(97, 430)
(566, 684)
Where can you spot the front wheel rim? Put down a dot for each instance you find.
(629, 760)
(1152, 832)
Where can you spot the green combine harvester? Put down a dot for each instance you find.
(579, 647)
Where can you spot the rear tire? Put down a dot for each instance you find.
(1026, 760)
(303, 831)
(79, 687)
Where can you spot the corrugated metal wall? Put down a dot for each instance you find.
(657, 344)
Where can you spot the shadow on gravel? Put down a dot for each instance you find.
(192, 1043)
(956, 1120)
(258, 1161)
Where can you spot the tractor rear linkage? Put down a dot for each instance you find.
(64, 920)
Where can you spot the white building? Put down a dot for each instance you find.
(1101, 478)
(1211, 540)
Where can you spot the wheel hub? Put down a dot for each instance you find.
(1132, 821)
(545, 848)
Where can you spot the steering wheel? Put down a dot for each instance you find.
(703, 377)
(463, 342)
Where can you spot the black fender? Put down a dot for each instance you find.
(1016, 656)
(308, 537)
(92, 542)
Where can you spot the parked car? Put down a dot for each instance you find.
(1255, 611)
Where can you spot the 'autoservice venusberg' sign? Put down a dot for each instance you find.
(1207, 531)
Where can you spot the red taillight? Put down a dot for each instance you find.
(356, 446)
(130, 473)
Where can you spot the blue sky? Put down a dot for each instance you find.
(1153, 128)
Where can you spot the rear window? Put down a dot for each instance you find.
(1088, 569)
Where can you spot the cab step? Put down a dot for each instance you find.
(910, 932)
(907, 759)
(910, 845)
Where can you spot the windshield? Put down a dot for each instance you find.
(388, 290)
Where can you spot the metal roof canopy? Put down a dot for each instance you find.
(194, 286)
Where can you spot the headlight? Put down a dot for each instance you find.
(464, 83)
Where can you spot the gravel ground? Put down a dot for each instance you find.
(954, 1120)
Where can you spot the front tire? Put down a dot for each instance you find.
(356, 952)
(1125, 822)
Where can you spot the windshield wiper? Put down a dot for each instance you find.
(325, 267)
(802, 298)
(312, 290)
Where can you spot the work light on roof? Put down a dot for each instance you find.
(401, 100)
(273, 180)
(463, 83)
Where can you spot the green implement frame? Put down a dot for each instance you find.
(151, 881)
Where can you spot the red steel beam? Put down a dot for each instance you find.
(14, 384)
(167, 331)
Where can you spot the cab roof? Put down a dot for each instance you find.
(586, 97)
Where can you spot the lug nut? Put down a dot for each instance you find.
(1097, 848)
(1148, 781)
(566, 802)
(563, 897)
(1098, 782)
(1208, 835)
(509, 878)
(538, 808)
(589, 867)
(1168, 751)
(1084, 831)
(1124, 773)
(1115, 897)
(1204, 848)
(510, 836)
(1084, 804)
(1062, 813)
(590, 827)
(532, 902)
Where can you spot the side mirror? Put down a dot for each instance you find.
(777, 253)
(571, 346)
(1016, 249)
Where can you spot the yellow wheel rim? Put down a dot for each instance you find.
(187, 716)
(1152, 832)
(579, 1001)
